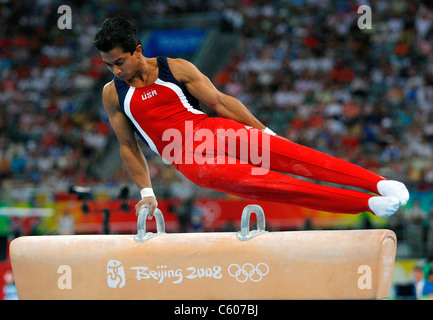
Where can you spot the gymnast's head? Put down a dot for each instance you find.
(120, 47)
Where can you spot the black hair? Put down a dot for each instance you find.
(116, 32)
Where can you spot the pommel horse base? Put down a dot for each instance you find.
(203, 266)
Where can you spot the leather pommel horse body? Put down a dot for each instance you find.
(248, 264)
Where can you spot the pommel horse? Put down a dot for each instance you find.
(242, 265)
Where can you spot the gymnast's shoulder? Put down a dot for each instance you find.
(109, 95)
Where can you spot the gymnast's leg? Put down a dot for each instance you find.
(236, 179)
(289, 157)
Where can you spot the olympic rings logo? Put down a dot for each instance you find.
(248, 271)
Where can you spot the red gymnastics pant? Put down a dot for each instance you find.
(219, 173)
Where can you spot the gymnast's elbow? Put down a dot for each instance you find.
(129, 149)
(221, 104)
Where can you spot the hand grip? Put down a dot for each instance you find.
(142, 235)
(245, 233)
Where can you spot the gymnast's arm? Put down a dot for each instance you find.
(202, 88)
(130, 151)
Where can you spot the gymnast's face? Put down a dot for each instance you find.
(123, 65)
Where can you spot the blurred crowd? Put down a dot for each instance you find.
(51, 122)
(303, 67)
(366, 96)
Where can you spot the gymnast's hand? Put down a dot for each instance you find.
(149, 202)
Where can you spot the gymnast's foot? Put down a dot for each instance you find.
(383, 206)
(392, 188)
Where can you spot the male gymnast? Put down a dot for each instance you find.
(148, 96)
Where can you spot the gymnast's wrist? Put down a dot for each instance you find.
(269, 131)
(147, 192)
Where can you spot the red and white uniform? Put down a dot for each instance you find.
(167, 104)
(161, 105)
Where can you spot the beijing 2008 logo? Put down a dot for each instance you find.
(248, 271)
